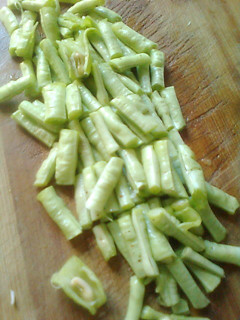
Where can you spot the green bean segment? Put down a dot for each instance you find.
(61, 215)
(80, 284)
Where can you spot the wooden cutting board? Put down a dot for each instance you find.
(201, 40)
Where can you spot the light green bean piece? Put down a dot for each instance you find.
(8, 19)
(104, 241)
(54, 60)
(73, 101)
(47, 169)
(107, 13)
(128, 62)
(143, 73)
(133, 247)
(222, 252)
(166, 287)
(102, 94)
(94, 138)
(162, 110)
(187, 284)
(85, 151)
(124, 248)
(98, 43)
(135, 171)
(26, 40)
(208, 280)
(195, 258)
(161, 249)
(221, 199)
(110, 144)
(110, 39)
(28, 16)
(166, 174)
(118, 129)
(157, 69)
(133, 39)
(112, 205)
(28, 71)
(43, 72)
(46, 137)
(129, 109)
(169, 95)
(112, 82)
(36, 5)
(85, 6)
(13, 88)
(130, 84)
(54, 99)
(105, 184)
(66, 162)
(151, 169)
(80, 284)
(61, 215)
(210, 221)
(88, 99)
(181, 307)
(179, 187)
(170, 226)
(140, 227)
(80, 197)
(49, 23)
(136, 296)
(123, 194)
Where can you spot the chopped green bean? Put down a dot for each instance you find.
(107, 13)
(73, 101)
(157, 69)
(221, 199)
(166, 287)
(123, 194)
(105, 184)
(162, 109)
(169, 225)
(104, 241)
(85, 150)
(140, 227)
(54, 60)
(88, 99)
(47, 169)
(46, 137)
(28, 71)
(8, 19)
(102, 94)
(80, 284)
(54, 99)
(181, 307)
(195, 258)
(136, 296)
(49, 23)
(43, 72)
(61, 215)
(112, 82)
(66, 162)
(13, 88)
(143, 73)
(187, 284)
(128, 62)
(222, 252)
(85, 6)
(151, 169)
(110, 144)
(80, 197)
(130, 84)
(175, 110)
(133, 39)
(110, 39)
(208, 280)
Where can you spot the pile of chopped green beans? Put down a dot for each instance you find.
(97, 98)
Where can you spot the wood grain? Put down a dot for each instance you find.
(201, 42)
